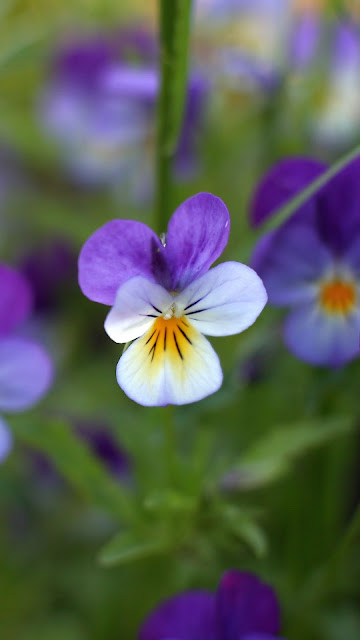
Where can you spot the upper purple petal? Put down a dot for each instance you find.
(26, 373)
(82, 61)
(197, 234)
(244, 604)
(15, 298)
(118, 251)
(338, 208)
(6, 440)
(280, 184)
(291, 259)
(188, 616)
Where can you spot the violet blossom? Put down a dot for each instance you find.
(311, 262)
(335, 118)
(248, 42)
(100, 108)
(243, 608)
(164, 297)
(25, 368)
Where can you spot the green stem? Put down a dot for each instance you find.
(175, 17)
(326, 575)
(169, 441)
(290, 207)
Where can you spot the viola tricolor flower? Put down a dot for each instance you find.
(312, 262)
(99, 105)
(243, 608)
(336, 116)
(247, 39)
(25, 368)
(164, 297)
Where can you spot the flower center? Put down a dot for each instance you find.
(173, 336)
(170, 312)
(337, 296)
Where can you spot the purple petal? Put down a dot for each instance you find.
(81, 62)
(338, 206)
(305, 39)
(197, 235)
(139, 83)
(320, 338)
(244, 604)
(186, 161)
(189, 616)
(48, 269)
(243, 70)
(260, 636)
(15, 298)
(6, 440)
(118, 251)
(104, 445)
(26, 373)
(280, 184)
(291, 259)
(346, 51)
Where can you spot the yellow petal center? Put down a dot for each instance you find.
(171, 336)
(338, 296)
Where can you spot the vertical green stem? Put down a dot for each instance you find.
(175, 17)
(169, 442)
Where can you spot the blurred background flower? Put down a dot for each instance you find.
(99, 105)
(264, 473)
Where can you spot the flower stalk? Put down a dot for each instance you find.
(174, 37)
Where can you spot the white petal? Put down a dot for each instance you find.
(224, 301)
(171, 364)
(138, 302)
(322, 338)
(6, 440)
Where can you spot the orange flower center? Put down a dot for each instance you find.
(338, 296)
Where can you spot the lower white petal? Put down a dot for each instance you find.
(171, 364)
(138, 302)
(320, 338)
(225, 300)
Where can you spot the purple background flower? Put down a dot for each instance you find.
(25, 368)
(314, 254)
(99, 104)
(243, 608)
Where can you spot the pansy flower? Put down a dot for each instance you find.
(326, 57)
(99, 105)
(311, 263)
(336, 116)
(248, 42)
(243, 608)
(164, 298)
(25, 368)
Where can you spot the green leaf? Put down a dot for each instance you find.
(128, 547)
(74, 460)
(282, 214)
(274, 455)
(244, 526)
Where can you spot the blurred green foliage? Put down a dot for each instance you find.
(264, 475)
